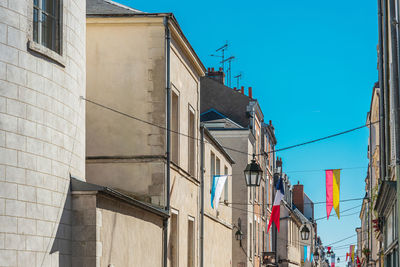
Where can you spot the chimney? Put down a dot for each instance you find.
(251, 92)
(234, 88)
(242, 90)
(218, 75)
(279, 162)
(298, 196)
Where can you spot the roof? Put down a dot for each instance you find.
(218, 145)
(226, 101)
(108, 7)
(78, 185)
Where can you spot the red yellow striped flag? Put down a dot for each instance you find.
(332, 191)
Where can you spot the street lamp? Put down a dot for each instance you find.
(253, 173)
(305, 232)
(239, 235)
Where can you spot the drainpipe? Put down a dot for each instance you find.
(202, 196)
(396, 106)
(369, 217)
(382, 87)
(168, 148)
(386, 85)
(394, 26)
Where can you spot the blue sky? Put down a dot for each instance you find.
(312, 66)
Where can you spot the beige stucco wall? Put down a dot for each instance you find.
(129, 236)
(42, 135)
(126, 71)
(109, 231)
(218, 228)
(217, 243)
(239, 140)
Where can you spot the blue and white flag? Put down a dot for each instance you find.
(216, 191)
(305, 253)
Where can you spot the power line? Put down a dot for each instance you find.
(270, 204)
(350, 168)
(228, 148)
(324, 138)
(341, 240)
(334, 215)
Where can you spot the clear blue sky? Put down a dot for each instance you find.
(312, 66)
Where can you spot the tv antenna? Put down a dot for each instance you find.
(238, 77)
(229, 70)
(222, 50)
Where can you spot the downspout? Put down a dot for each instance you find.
(382, 158)
(386, 85)
(202, 196)
(168, 148)
(395, 88)
(369, 217)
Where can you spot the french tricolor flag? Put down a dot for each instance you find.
(276, 210)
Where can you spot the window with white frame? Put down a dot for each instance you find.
(47, 23)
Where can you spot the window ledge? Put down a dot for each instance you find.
(48, 53)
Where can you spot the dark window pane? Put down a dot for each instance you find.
(47, 31)
(48, 6)
(35, 2)
(35, 25)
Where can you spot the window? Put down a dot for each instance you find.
(226, 186)
(263, 241)
(262, 201)
(251, 241)
(47, 23)
(192, 143)
(173, 250)
(212, 169)
(190, 246)
(174, 128)
(218, 166)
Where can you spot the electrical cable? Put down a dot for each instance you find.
(228, 148)
(342, 240)
(271, 204)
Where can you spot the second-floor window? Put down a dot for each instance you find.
(192, 143)
(47, 26)
(175, 128)
(212, 169)
(226, 186)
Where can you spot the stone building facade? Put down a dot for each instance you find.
(218, 227)
(237, 122)
(42, 128)
(136, 62)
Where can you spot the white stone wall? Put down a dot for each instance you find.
(41, 123)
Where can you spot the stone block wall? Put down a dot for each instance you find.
(42, 135)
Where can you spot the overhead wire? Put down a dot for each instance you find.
(271, 204)
(228, 148)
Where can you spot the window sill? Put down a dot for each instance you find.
(48, 53)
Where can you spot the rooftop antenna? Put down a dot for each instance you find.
(238, 77)
(222, 49)
(229, 70)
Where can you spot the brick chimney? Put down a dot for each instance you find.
(298, 196)
(217, 75)
(251, 92)
(242, 90)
